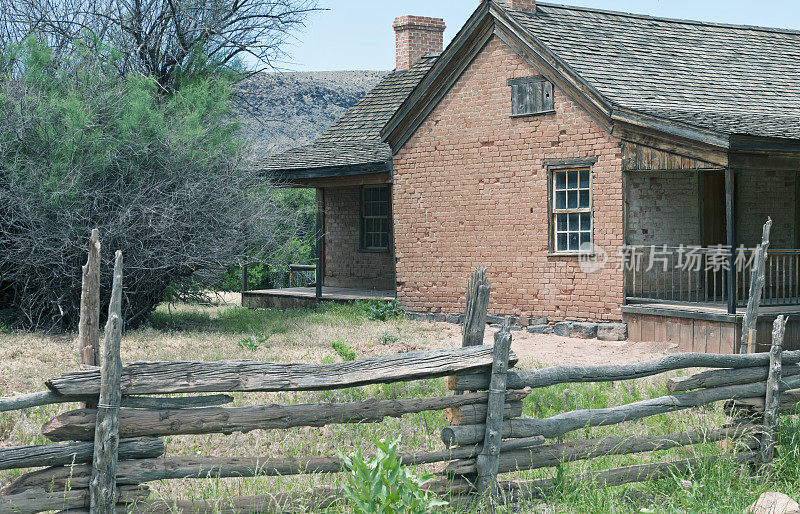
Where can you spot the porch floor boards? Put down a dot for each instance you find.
(294, 297)
(706, 327)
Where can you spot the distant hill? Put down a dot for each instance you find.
(284, 110)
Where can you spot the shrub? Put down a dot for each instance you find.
(162, 176)
(384, 485)
(378, 310)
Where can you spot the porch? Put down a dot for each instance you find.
(691, 230)
(306, 296)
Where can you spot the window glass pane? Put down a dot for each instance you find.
(573, 221)
(572, 179)
(586, 221)
(584, 178)
(585, 238)
(561, 222)
(573, 241)
(572, 199)
(561, 243)
(584, 198)
(561, 199)
(561, 180)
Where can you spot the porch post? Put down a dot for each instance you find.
(318, 272)
(731, 236)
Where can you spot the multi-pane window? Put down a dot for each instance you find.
(572, 209)
(375, 218)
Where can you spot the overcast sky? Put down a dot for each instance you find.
(358, 35)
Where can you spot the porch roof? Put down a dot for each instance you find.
(727, 79)
(353, 144)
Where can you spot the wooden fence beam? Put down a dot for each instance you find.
(38, 500)
(487, 461)
(552, 455)
(168, 377)
(476, 308)
(24, 401)
(472, 414)
(721, 377)
(74, 452)
(611, 373)
(756, 288)
(103, 486)
(79, 424)
(773, 396)
(577, 419)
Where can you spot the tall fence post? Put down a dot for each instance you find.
(488, 460)
(89, 323)
(750, 320)
(103, 485)
(476, 308)
(773, 398)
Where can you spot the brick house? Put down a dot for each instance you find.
(600, 164)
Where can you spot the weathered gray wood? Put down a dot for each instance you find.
(488, 458)
(574, 420)
(553, 454)
(146, 470)
(476, 309)
(194, 377)
(472, 414)
(773, 396)
(78, 424)
(39, 500)
(788, 404)
(618, 476)
(756, 288)
(722, 377)
(609, 373)
(66, 453)
(24, 401)
(103, 486)
(89, 322)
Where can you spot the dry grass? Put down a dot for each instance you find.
(193, 332)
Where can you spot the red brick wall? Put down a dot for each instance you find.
(345, 264)
(470, 189)
(416, 36)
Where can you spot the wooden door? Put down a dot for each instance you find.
(713, 209)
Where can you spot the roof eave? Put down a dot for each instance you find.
(328, 171)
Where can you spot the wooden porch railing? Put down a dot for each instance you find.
(690, 274)
(302, 275)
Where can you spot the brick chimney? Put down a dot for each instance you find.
(416, 36)
(522, 5)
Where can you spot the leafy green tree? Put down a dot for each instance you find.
(162, 176)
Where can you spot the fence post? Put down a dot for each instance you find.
(103, 485)
(476, 308)
(89, 323)
(750, 320)
(773, 399)
(488, 460)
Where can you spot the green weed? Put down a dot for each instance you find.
(344, 351)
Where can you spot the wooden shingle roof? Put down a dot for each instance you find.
(728, 79)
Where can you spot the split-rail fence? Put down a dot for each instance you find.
(103, 454)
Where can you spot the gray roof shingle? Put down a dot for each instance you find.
(354, 140)
(724, 78)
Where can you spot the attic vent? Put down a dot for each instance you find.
(531, 95)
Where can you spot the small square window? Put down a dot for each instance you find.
(531, 95)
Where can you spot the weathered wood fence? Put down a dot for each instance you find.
(104, 455)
